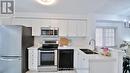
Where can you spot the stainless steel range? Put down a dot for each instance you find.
(48, 56)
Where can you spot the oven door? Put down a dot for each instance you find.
(47, 58)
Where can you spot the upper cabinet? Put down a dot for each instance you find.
(69, 28)
(81, 28)
(36, 30)
(63, 27)
(72, 28)
(77, 28)
(36, 27)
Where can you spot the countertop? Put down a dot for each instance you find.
(92, 57)
(99, 57)
(71, 47)
(34, 47)
(65, 47)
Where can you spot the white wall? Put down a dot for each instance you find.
(122, 33)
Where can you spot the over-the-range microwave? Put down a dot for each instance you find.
(50, 31)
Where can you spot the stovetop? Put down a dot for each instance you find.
(47, 49)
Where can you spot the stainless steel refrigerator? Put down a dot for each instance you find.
(14, 41)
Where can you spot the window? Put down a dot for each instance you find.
(105, 36)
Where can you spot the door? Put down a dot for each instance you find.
(72, 28)
(81, 28)
(47, 58)
(65, 59)
(62, 27)
(10, 49)
(10, 64)
(10, 40)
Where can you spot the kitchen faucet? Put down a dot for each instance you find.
(93, 42)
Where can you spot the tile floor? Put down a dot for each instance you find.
(54, 72)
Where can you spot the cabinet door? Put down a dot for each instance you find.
(66, 59)
(46, 23)
(84, 63)
(82, 66)
(55, 23)
(102, 66)
(81, 28)
(76, 54)
(33, 59)
(72, 28)
(36, 30)
(31, 64)
(62, 27)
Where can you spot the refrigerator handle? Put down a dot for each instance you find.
(2, 59)
(9, 58)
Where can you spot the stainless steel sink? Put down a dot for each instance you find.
(88, 51)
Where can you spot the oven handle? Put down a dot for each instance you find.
(46, 51)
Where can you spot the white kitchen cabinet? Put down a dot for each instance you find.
(81, 28)
(77, 28)
(36, 30)
(46, 23)
(33, 59)
(75, 59)
(55, 23)
(71, 28)
(78, 70)
(82, 63)
(67, 27)
(62, 27)
(102, 67)
(49, 23)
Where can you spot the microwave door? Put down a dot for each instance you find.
(49, 32)
(55, 32)
(43, 32)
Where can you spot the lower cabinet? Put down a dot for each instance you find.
(102, 67)
(66, 59)
(82, 63)
(33, 60)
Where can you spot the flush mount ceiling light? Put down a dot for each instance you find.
(46, 2)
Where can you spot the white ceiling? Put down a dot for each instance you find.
(117, 7)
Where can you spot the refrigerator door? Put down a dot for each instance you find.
(10, 49)
(10, 40)
(10, 64)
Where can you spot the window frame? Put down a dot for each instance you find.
(115, 35)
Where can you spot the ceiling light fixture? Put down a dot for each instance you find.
(46, 2)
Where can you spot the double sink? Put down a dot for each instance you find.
(88, 51)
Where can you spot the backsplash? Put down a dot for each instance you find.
(77, 42)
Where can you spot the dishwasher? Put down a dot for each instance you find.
(66, 59)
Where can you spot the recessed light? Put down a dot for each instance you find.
(46, 2)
